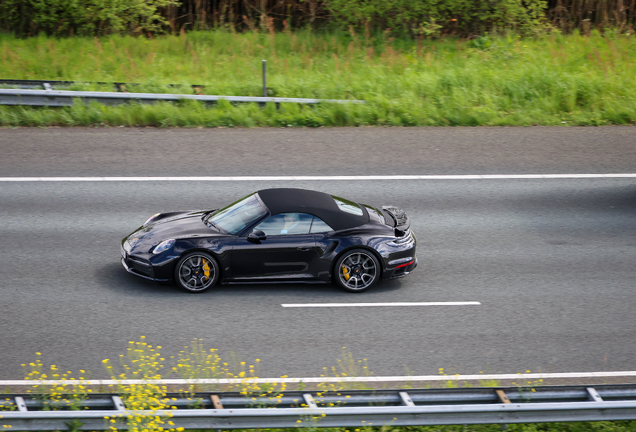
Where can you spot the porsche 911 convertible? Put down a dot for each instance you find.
(274, 235)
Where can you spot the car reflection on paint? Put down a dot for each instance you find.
(274, 235)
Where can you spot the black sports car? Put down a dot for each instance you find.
(288, 235)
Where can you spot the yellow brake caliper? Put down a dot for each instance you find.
(206, 268)
(345, 273)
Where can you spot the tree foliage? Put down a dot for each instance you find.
(418, 18)
(83, 17)
(430, 17)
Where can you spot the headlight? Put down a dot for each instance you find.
(151, 218)
(163, 246)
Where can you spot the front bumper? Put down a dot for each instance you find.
(139, 267)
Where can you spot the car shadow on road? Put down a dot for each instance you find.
(113, 277)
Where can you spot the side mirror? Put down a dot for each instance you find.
(257, 236)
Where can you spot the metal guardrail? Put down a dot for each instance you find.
(230, 410)
(58, 98)
(41, 93)
(52, 84)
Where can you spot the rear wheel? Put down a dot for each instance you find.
(357, 270)
(196, 272)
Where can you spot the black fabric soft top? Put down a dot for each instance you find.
(319, 204)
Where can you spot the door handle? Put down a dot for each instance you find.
(304, 249)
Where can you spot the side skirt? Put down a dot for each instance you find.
(272, 281)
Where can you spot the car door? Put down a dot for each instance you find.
(288, 252)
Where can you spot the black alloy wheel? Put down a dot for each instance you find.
(196, 272)
(357, 270)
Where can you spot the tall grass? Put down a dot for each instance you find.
(508, 80)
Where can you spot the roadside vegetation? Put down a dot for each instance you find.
(488, 80)
(145, 362)
(414, 62)
(414, 18)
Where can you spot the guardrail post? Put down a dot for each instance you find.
(19, 401)
(216, 402)
(309, 400)
(593, 394)
(406, 399)
(119, 404)
(503, 398)
(264, 78)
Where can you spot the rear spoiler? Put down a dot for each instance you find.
(401, 219)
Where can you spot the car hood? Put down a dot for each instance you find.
(176, 225)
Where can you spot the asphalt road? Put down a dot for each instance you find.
(551, 261)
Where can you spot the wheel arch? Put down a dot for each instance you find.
(204, 250)
(352, 247)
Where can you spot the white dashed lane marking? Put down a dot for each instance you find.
(325, 305)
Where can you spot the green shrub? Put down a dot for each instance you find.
(431, 17)
(83, 17)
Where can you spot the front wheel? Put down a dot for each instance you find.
(196, 272)
(357, 270)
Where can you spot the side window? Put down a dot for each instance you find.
(318, 226)
(286, 223)
(347, 206)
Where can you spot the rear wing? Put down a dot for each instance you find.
(400, 219)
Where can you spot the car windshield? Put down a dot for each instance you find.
(238, 215)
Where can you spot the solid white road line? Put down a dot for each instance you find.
(323, 305)
(319, 178)
(420, 378)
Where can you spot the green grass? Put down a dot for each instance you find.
(506, 80)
